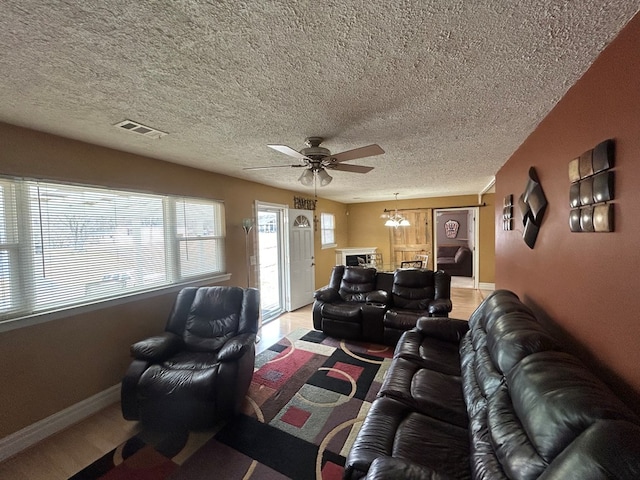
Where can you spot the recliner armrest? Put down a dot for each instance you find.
(378, 296)
(391, 468)
(236, 347)
(440, 307)
(157, 348)
(447, 329)
(327, 294)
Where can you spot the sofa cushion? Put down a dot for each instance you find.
(413, 289)
(432, 393)
(556, 398)
(447, 251)
(393, 428)
(356, 283)
(402, 319)
(344, 311)
(594, 454)
(429, 352)
(514, 336)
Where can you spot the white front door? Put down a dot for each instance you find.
(301, 259)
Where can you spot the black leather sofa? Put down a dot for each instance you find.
(493, 398)
(360, 303)
(455, 260)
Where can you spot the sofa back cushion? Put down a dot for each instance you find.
(356, 283)
(214, 318)
(513, 336)
(447, 251)
(531, 405)
(413, 289)
(548, 400)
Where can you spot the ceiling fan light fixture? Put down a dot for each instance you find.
(306, 178)
(325, 178)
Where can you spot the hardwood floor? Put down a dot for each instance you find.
(67, 452)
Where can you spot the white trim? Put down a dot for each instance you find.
(488, 187)
(35, 319)
(486, 286)
(29, 436)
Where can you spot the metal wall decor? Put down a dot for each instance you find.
(507, 213)
(591, 189)
(533, 204)
(451, 228)
(301, 203)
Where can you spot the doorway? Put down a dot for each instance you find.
(455, 240)
(272, 238)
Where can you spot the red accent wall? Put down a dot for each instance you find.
(586, 284)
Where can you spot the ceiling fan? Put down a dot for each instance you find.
(316, 160)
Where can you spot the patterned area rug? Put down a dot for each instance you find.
(305, 405)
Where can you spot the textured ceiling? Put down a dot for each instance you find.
(449, 89)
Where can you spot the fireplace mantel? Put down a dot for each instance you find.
(341, 253)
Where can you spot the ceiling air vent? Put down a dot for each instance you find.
(135, 127)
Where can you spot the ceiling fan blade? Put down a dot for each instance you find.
(288, 151)
(345, 167)
(273, 166)
(368, 151)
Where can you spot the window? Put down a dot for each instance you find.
(66, 245)
(327, 230)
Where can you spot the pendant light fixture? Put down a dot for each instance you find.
(396, 220)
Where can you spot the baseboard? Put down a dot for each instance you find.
(29, 436)
(486, 286)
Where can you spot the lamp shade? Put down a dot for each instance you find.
(306, 178)
(325, 178)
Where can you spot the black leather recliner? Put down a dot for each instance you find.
(200, 369)
(416, 293)
(352, 303)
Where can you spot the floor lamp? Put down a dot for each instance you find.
(247, 226)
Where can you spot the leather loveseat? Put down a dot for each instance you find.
(455, 260)
(493, 398)
(360, 303)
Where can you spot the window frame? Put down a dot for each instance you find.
(324, 230)
(18, 238)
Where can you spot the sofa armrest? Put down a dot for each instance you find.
(448, 329)
(440, 307)
(235, 347)
(390, 468)
(327, 294)
(378, 296)
(157, 348)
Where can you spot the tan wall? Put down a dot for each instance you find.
(326, 258)
(51, 366)
(584, 283)
(366, 228)
(54, 365)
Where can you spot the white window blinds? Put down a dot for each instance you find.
(64, 245)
